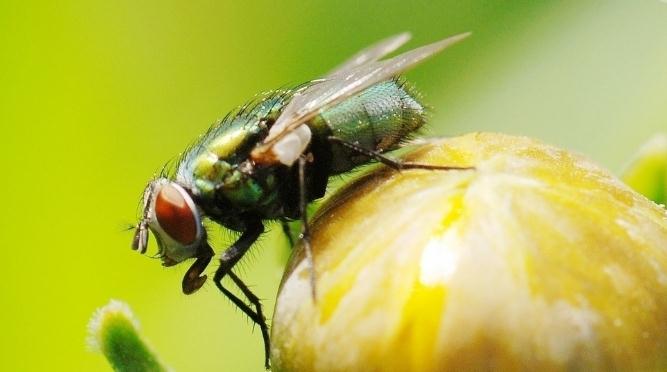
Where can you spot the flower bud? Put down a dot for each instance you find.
(647, 172)
(537, 259)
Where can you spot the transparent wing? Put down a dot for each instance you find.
(373, 52)
(351, 78)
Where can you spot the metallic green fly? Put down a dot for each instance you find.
(269, 159)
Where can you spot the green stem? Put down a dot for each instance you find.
(115, 332)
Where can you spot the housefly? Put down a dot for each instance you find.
(269, 159)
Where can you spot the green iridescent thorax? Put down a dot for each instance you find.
(216, 164)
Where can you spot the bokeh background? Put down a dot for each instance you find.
(96, 96)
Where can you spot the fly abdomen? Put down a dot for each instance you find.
(378, 118)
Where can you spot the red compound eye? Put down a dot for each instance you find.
(175, 215)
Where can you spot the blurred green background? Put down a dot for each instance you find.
(97, 96)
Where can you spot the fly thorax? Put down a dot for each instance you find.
(241, 189)
(209, 173)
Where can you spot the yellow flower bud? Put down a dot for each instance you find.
(536, 260)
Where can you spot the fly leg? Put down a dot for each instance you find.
(393, 163)
(231, 256)
(259, 316)
(305, 230)
(255, 315)
(287, 230)
(193, 279)
(228, 259)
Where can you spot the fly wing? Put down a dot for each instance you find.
(373, 52)
(344, 82)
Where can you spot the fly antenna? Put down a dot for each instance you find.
(140, 240)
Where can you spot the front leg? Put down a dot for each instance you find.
(229, 258)
(193, 279)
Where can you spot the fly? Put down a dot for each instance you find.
(269, 159)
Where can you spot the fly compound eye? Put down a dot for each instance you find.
(175, 215)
